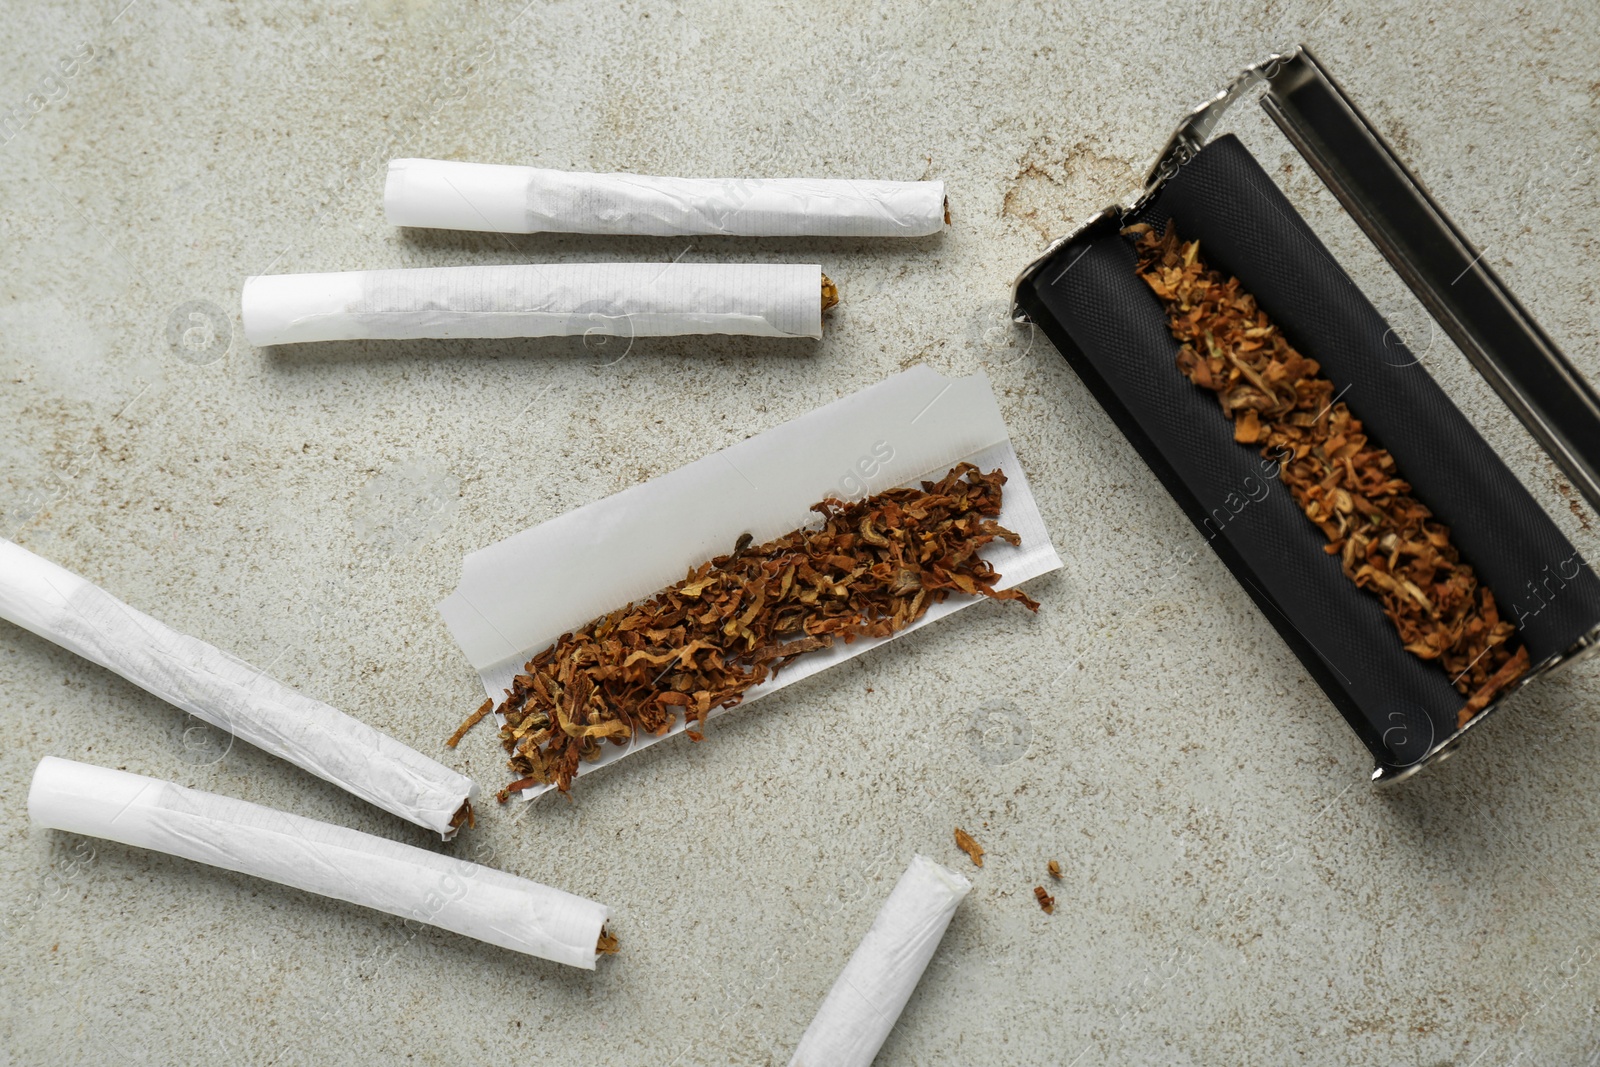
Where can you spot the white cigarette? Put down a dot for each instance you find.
(870, 994)
(318, 857)
(225, 691)
(442, 194)
(537, 300)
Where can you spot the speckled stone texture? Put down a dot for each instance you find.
(1233, 891)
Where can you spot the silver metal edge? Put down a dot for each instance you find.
(1374, 222)
(1586, 646)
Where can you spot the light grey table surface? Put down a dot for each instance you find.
(1234, 891)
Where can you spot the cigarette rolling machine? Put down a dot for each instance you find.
(1085, 294)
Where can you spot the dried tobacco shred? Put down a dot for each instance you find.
(966, 843)
(1055, 870)
(472, 720)
(607, 945)
(1046, 901)
(1387, 541)
(871, 569)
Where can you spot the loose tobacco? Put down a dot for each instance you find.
(968, 844)
(472, 720)
(871, 569)
(1387, 541)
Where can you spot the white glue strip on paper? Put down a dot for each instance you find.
(226, 692)
(442, 194)
(318, 857)
(518, 596)
(536, 300)
(871, 992)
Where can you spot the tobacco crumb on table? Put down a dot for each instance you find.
(606, 947)
(1055, 870)
(1387, 541)
(1046, 901)
(965, 842)
(871, 569)
(471, 721)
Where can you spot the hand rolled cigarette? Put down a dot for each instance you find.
(228, 693)
(539, 300)
(442, 194)
(869, 995)
(321, 858)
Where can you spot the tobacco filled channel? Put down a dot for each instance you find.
(1387, 541)
(869, 568)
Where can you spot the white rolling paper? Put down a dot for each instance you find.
(868, 997)
(519, 595)
(318, 857)
(443, 194)
(536, 300)
(225, 691)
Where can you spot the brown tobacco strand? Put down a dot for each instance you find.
(873, 568)
(1387, 541)
(471, 721)
(966, 843)
(830, 293)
